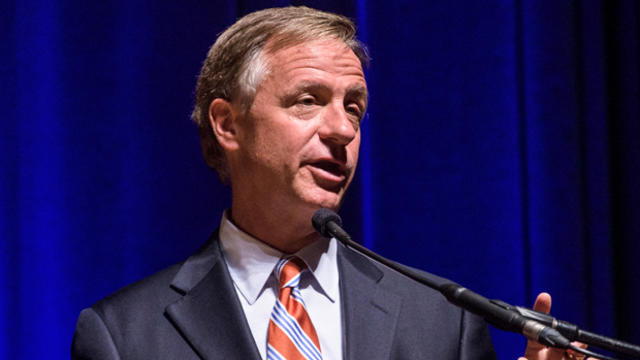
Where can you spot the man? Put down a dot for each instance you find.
(278, 105)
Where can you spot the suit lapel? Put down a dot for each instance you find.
(209, 315)
(369, 311)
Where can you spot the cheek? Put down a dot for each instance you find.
(294, 137)
(353, 149)
(280, 147)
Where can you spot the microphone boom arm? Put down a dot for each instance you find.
(535, 325)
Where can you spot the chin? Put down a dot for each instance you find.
(313, 196)
(325, 199)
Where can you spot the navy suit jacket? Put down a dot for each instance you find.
(191, 311)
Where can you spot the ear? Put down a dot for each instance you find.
(224, 122)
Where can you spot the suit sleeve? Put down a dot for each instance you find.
(92, 340)
(475, 340)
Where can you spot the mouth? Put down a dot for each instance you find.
(330, 167)
(328, 173)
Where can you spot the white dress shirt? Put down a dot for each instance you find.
(251, 264)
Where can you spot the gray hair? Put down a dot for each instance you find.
(235, 64)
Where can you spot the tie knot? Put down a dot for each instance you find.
(289, 270)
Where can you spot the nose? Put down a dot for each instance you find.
(337, 125)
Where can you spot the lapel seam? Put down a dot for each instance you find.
(369, 310)
(178, 312)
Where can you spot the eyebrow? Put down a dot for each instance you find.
(308, 85)
(357, 90)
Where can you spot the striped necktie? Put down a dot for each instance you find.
(291, 333)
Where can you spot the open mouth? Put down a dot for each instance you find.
(328, 173)
(329, 167)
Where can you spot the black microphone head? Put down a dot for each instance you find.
(321, 218)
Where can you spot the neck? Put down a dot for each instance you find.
(279, 228)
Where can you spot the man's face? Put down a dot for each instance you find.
(298, 145)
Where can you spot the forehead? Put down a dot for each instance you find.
(320, 59)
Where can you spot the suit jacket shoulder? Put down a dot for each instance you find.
(187, 311)
(115, 324)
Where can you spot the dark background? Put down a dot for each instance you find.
(501, 150)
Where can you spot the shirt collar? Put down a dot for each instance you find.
(251, 262)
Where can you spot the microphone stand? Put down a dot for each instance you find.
(534, 325)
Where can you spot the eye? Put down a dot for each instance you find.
(354, 109)
(307, 100)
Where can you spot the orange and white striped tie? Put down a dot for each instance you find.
(291, 333)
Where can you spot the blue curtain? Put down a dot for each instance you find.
(501, 150)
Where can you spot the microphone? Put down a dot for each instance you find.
(328, 224)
